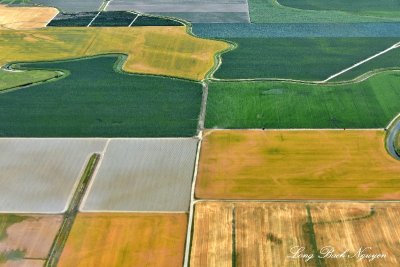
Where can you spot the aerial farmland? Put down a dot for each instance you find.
(171, 133)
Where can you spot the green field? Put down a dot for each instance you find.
(297, 58)
(381, 8)
(96, 101)
(240, 105)
(390, 60)
(323, 11)
(9, 80)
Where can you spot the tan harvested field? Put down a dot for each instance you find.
(167, 51)
(33, 235)
(266, 233)
(128, 239)
(354, 226)
(255, 164)
(23, 18)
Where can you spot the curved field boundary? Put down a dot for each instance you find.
(393, 130)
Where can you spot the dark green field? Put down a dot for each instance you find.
(96, 101)
(389, 60)
(369, 104)
(297, 58)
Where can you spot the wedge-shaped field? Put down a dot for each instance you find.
(256, 164)
(372, 103)
(126, 240)
(196, 11)
(144, 175)
(15, 79)
(26, 240)
(95, 99)
(313, 59)
(169, 51)
(40, 175)
(25, 17)
(65, 6)
(269, 234)
(325, 11)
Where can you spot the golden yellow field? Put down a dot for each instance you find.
(26, 17)
(126, 239)
(269, 234)
(255, 164)
(167, 51)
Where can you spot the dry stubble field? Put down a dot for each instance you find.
(125, 239)
(255, 164)
(169, 51)
(26, 17)
(263, 234)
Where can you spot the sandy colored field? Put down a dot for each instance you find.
(152, 50)
(33, 235)
(355, 226)
(264, 233)
(126, 240)
(259, 164)
(26, 17)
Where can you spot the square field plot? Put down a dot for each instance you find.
(125, 240)
(266, 233)
(143, 175)
(39, 175)
(195, 11)
(26, 240)
(315, 164)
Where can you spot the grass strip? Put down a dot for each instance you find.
(72, 211)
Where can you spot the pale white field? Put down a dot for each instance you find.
(39, 175)
(147, 174)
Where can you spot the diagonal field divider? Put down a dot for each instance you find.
(397, 45)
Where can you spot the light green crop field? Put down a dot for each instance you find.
(325, 11)
(13, 79)
(368, 104)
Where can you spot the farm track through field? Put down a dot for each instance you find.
(393, 131)
(71, 213)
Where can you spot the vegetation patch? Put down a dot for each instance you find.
(297, 58)
(372, 103)
(14, 79)
(316, 11)
(94, 100)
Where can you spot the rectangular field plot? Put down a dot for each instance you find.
(26, 240)
(372, 103)
(195, 11)
(81, 19)
(267, 234)
(144, 175)
(311, 59)
(40, 175)
(25, 17)
(256, 164)
(126, 240)
(63, 5)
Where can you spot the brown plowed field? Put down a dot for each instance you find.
(27, 239)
